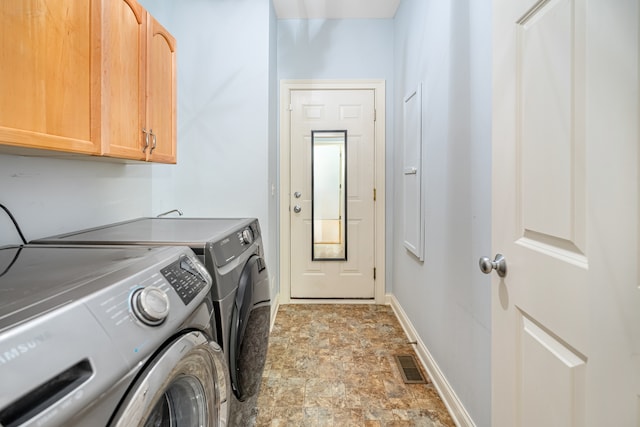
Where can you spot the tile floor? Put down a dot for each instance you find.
(333, 365)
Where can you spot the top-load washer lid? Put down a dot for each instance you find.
(68, 331)
(192, 232)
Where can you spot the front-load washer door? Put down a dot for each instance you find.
(186, 385)
(249, 335)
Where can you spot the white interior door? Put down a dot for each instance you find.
(351, 274)
(566, 318)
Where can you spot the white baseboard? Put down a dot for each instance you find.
(275, 304)
(447, 394)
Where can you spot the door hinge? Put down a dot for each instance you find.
(374, 195)
(290, 107)
(375, 115)
(374, 273)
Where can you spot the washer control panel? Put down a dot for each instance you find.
(232, 246)
(150, 305)
(246, 236)
(187, 278)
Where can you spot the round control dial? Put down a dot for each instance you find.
(247, 236)
(150, 305)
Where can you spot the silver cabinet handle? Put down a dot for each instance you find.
(154, 139)
(146, 140)
(499, 264)
(297, 209)
(297, 194)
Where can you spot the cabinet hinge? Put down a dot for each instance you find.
(374, 273)
(374, 195)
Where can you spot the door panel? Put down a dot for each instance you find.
(161, 92)
(352, 110)
(565, 140)
(546, 360)
(51, 75)
(124, 79)
(550, 91)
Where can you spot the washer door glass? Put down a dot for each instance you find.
(186, 385)
(182, 404)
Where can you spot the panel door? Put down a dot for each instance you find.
(565, 319)
(345, 110)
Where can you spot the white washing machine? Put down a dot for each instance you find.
(231, 250)
(109, 336)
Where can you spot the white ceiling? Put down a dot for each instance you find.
(335, 9)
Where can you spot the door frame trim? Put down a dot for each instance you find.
(284, 147)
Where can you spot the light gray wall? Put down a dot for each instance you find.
(343, 49)
(335, 48)
(447, 47)
(223, 101)
(226, 73)
(51, 196)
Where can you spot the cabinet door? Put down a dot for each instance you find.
(123, 79)
(49, 92)
(161, 92)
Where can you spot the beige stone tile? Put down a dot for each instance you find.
(348, 417)
(378, 414)
(332, 365)
(324, 387)
(265, 415)
(315, 401)
(286, 416)
(318, 417)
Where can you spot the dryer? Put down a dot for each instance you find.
(109, 336)
(232, 252)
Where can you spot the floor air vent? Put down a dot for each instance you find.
(409, 369)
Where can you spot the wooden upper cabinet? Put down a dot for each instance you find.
(139, 85)
(94, 77)
(49, 89)
(161, 92)
(123, 79)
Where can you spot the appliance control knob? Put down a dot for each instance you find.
(247, 236)
(150, 305)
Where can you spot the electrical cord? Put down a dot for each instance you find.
(13, 261)
(15, 223)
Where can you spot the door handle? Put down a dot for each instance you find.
(499, 264)
(297, 209)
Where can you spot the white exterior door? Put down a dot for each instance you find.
(312, 276)
(566, 318)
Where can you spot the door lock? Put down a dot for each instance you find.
(297, 209)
